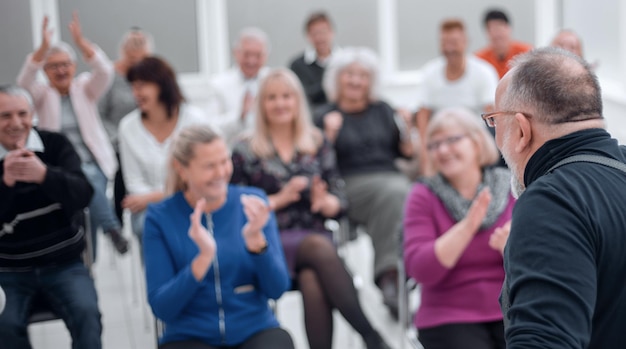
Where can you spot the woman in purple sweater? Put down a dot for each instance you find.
(455, 227)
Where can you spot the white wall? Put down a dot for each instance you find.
(388, 27)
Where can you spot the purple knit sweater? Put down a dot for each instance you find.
(466, 293)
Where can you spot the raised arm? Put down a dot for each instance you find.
(102, 71)
(428, 254)
(261, 238)
(170, 291)
(27, 78)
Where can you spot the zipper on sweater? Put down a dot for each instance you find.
(218, 284)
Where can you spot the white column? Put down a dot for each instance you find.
(388, 36)
(39, 9)
(622, 46)
(546, 21)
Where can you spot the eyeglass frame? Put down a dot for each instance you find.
(58, 65)
(449, 141)
(489, 120)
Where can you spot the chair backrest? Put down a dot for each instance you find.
(40, 309)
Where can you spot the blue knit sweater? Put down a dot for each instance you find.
(231, 303)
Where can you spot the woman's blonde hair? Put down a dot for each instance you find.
(182, 152)
(472, 125)
(306, 137)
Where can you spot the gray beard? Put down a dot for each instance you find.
(517, 188)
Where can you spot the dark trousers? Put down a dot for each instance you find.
(275, 338)
(485, 335)
(119, 190)
(70, 292)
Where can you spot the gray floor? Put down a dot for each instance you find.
(128, 322)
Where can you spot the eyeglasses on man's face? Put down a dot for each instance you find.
(449, 141)
(57, 65)
(490, 117)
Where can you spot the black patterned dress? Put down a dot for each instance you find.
(295, 221)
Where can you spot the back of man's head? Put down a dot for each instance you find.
(557, 85)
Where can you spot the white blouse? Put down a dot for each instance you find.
(143, 158)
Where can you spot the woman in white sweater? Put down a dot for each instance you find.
(146, 132)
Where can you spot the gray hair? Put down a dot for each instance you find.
(472, 125)
(364, 56)
(136, 38)
(182, 151)
(555, 84)
(253, 34)
(62, 47)
(13, 90)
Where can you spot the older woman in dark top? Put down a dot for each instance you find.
(368, 136)
(290, 159)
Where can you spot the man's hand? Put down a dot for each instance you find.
(23, 165)
(246, 105)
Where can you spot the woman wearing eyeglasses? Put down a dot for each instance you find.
(455, 227)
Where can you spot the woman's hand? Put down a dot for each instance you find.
(499, 237)
(332, 124)
(258, 213)
(77, 35)
(138, 202)
(319, 193)
(46, 37)
(200, 236)
(478, 210)
(323, 202)
(289, 193)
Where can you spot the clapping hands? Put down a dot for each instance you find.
(22, 165)
(198, 233)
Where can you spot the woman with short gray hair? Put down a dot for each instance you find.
(368, 137)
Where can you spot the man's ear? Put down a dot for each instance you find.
(524, 132)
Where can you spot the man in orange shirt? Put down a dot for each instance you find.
(502, 47)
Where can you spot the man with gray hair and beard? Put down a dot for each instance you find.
(565, 259)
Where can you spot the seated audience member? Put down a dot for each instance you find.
(309, 67)
(146, 133)
(212, 253)
(68, 105)
(43, 190)
(502, 48)
(233, 91)
(569, 41)
(455, 227)
(368, 136)
(454, 79)
(290, 159)
(118, 101)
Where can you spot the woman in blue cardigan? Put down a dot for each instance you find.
(212, 253)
